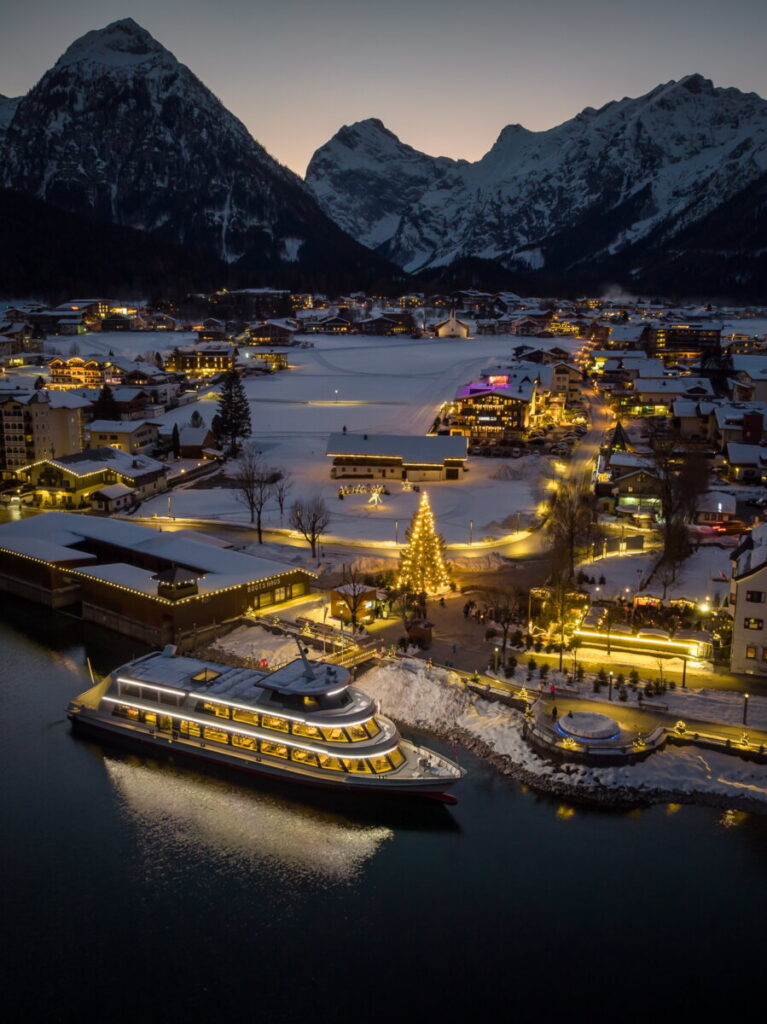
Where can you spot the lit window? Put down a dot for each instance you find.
(753, 623)
(751, 652)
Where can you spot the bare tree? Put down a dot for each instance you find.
(354, 591)
(504, 608)
(282, 488)
(570, 520)
(254, 484)
(311, 519)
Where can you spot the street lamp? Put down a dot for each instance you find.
(609, 686)
(745, 707)
(396, 531)
(471, 532)
(335, 392)
(495, 659)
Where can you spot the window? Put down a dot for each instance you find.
(190, 728)
(380, 764)
(246, 742)
(751, 651)
(271, 722)
(215, 734)
(331, 762)
(360, 767)
(219, 710)
(335, 735)
(310, 731)
(245, 716)
(755, 596)
(357, 732)
(124, 712)
(206, 675)
(753, 623)
(275, 749)
(304, 757)
(396, 757)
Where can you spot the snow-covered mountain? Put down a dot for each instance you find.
(610, 188)
(7, 110)
(118, 128)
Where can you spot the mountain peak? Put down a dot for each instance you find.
(118, 44)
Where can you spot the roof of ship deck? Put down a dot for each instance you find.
(243, 684)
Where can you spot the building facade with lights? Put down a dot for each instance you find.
(397, 456)
(748, 604)
(157, 587)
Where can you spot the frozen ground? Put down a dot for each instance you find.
(257, 644)
(435, 700)
(375, 385)
(703, 577)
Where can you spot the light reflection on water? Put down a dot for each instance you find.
(180, 814)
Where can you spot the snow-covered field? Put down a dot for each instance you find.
(435, 700)
(376, 385)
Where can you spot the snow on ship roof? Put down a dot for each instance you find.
(410, 447)
(242, 684)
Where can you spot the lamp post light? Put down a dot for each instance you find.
(396, 531)
(745, 707)
(335, 392)
(495, 659)
(471, 532)
(609, 686)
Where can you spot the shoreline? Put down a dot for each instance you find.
(434, 702)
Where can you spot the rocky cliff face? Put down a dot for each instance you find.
(119, 129)
(610, 188)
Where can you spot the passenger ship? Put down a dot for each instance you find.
(303, 723)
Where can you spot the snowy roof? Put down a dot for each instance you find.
(716, 501)
(672, 385)
(732, 415)
(117, 426)
(113, 491)
(193, 435)
(92, 460)
(56, 532)
(754, 365)
(66, 400)
(751, 554)
(746, 454)
(429, 449)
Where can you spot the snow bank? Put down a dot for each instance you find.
(254, 643)
(436, 700)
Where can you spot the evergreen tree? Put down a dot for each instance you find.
(233, 412)
(175, 442)
(422, 562)
(105, 407)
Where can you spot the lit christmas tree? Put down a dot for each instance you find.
(422, 566)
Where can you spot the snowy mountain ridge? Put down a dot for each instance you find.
(120, 129)
(595, 188)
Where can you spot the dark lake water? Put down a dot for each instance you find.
(145, 890)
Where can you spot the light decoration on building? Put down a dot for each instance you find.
(422, 562)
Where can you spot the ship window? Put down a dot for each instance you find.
(149, 717)
(358, 732)
(219, 710)
(124, 712)
(311, 731)
(372, 727)
(206, 675)
(304, 757)
(168, 698)
(215, 734)
(331, 762)
(396, 757)
(380, 764)
(245, 716)
(271, 722)
(276, 749)
(129, 690)
(361, 767)
(190, 728)
(248, 742)
(335, 735)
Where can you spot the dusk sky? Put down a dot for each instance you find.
(445, 75)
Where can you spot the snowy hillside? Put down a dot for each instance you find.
(120, 129)
(596, 188)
